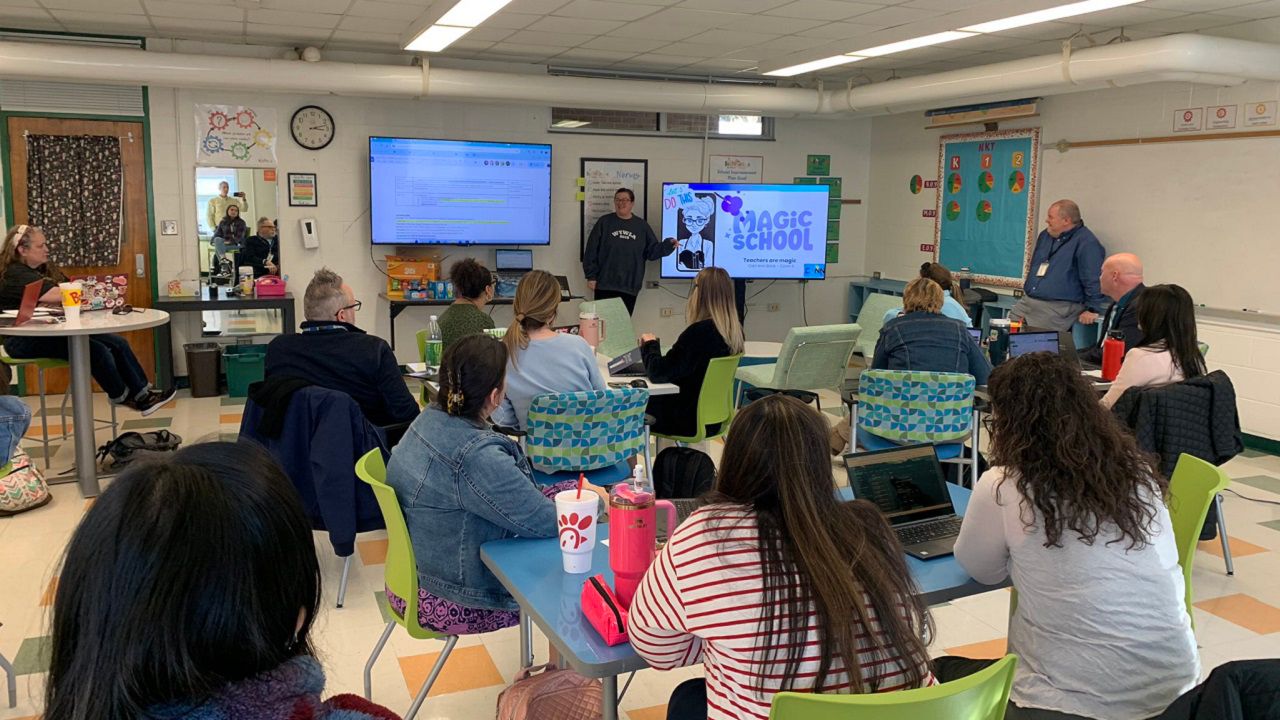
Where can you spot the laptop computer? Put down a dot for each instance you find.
(908, 486)
(976, 334)
(628, 364)
(30, 296)
(510, 266)
(1055, 341)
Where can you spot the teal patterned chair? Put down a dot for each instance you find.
(905, 407)
(592, 432)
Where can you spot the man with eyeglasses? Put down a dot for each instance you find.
(332, 352)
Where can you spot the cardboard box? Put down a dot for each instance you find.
(405, 273)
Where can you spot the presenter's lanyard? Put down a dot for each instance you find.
(1054, 247)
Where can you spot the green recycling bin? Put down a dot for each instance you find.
(245, 365)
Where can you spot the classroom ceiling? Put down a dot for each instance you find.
(690, 37)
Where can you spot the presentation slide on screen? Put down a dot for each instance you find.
(426, 192)
(752, 231)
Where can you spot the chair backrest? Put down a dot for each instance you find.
(585, 430)
(980, 696)
(400, 572)
(619, 334)
(1192, 489)
(912, 406)
(715, 400)
(815, 358)
(871, 319)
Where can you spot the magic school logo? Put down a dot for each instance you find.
(763, 230)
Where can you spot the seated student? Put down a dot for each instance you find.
(714, 331)
(1074, 512)
(1169, 352)
(261, 251)
(332, 352)
(542, 360)
(203, 611)
(473, 284)
(24, 259)
(951, 306)
(775, 544)
(231, 231)
(461, 485)
(1121, 281)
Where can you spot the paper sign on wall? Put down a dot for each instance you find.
(1259, 114)
(235, 136)
(1188, 119)
(737, 168)
(1221, 117)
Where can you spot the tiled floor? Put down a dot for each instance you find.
(1236, 617)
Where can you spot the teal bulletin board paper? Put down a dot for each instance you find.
(987, 193)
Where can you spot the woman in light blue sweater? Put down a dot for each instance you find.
(951, 307)
(542, 360)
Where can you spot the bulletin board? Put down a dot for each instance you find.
(986, 209)
(600, 179)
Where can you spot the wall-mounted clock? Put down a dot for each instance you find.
(312, 127)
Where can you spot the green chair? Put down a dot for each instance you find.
(400, 574)
(1204, 348)
(812, 358)
(871, 319)
(983, 695)
(715, 401)
(42, 364)
(422, 343)
(1193, 487)
(619, 334)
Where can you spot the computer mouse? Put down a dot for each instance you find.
(639, 384)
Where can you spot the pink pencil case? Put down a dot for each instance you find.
(603, 611)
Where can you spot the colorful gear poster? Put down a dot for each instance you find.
(987, 204)
(235, 136)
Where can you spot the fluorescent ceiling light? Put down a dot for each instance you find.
(1053, 13)
(470, 13)
(436, 38)
(814, 65)
(912, 44)
(570, 123)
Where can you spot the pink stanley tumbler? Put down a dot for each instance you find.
(591, 328)
(632, 535)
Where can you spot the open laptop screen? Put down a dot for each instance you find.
(976, 334)
(513, 260)
(1029, 342)
(905, 483)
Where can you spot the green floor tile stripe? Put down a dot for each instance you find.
(33, 656)
(151, 422)
(1273, 524)
(233, 401)
(37, 450)
(228, 437)
(1251, 453)
(1262, 482)
(384, 607)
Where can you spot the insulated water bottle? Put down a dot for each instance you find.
(1112, 355)
(633, 518)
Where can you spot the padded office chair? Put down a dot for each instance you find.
(871, 319)
(619, 334)
(901, 407)
(812, 358)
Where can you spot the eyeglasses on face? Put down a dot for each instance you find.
(355, 306)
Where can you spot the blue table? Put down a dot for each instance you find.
(532, 572)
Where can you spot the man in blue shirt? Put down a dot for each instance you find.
(1062, 284)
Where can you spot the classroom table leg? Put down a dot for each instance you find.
(82, 416)
(526, 640)
(609, 698)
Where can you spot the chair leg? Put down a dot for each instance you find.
(377, 650)
(44, 417)
(115, 432)
(1222, 535)
(975, 435)
(342, 586)
(737, 401)
(11, 680)
(435, 671)
(648, 458)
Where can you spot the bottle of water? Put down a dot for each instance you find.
(435, 343)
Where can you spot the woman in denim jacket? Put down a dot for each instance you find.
(924, 339)
(460, 485)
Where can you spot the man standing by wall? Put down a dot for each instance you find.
(617, 249)
(1062, 281)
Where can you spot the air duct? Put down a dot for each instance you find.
(1175, 58)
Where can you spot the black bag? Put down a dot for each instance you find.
(131, 447)
(681, 472)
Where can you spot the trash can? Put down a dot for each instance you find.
(202, 368)
(245, 366)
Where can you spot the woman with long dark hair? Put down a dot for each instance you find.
(231, 231)
(1169, 352)
(1075, 514)
(189, 590)
(775, 545)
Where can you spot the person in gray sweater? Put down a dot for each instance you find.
(617, 249)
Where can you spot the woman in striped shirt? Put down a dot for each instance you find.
(775, 544)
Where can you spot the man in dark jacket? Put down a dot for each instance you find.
(617, 249)
(1121, 280)
(332, 352)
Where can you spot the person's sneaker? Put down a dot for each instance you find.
(153, 401)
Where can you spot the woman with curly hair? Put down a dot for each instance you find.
(1075, 514)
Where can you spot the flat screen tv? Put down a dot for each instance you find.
(754, 232)
(458, 192)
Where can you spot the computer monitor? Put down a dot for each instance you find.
(513, 260)
(976, 334)
(906, 483)
(1029, 342)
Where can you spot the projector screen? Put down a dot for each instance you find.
(458, 192)
(769, 232)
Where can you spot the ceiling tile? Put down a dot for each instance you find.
(168, 8)
(987, 42)
(557, 40)
(1217, 6)
(512, 21)
(355, 39)
(86, 21)
(591, 56)
(197, 29)
(634, 45)
(1267, 9)
(385, 10)
(9, 4)
(132, 7)
(31, 18)
(734, 6)
(940, 5)
(332, 7)
(583, 26)
(487, 34)
(727, 39)
(838, 31)
(466, 45)
(771, 24)
(1131, 15)
(535, 7)
(784, 45)
(673, 24)
(295, 19)
(1051, 30)
(894, 16)
(598, 10)
(286, 36)
(1189, 23)
(721, 65)
(661, 63)
(1258, 30)
(368, 24)
(822, 9)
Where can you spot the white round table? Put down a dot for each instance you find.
(98, 322)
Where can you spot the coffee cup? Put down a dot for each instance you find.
(576, 522)
(72, 293)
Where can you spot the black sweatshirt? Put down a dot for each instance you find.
(686, 366)
(617, 250)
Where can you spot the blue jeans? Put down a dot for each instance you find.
(111, 361)
(15, 418)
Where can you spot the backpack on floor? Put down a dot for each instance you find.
(681, 472)
(545, 692)
(131, 447)
(23, 488)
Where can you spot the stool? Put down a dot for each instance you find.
(42, 364)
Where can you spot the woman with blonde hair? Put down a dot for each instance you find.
(541, 360)
(713, 331)
(925, 339)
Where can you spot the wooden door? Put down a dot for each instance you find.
(134, 241)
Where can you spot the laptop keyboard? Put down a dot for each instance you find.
(927, 531)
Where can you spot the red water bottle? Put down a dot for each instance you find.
(1112, 355)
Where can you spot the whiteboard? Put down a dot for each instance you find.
(1204, 215)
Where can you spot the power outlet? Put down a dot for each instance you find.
(773, 307)
(653, 284)
(666, 312)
